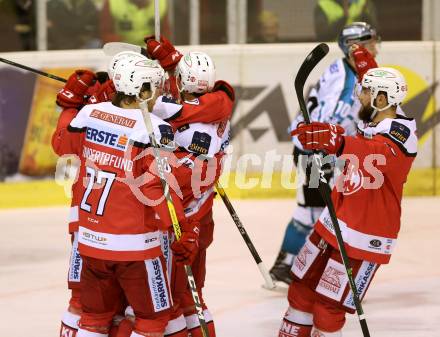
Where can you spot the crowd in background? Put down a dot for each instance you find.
(81, 24)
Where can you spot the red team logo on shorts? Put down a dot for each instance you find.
(331, 280)
(301, 259)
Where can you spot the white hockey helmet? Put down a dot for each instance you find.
(131, 74)
(123, 55)
(197, 72)
(388, 80)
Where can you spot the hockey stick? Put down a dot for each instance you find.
(177, 231)
(166, 189)
(176, 227)
(36, 71)
(268, 282)
(113, 48)
(316, 55)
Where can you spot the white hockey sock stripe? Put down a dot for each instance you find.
(299, 317)
(192, 321)
(70, 320)
(175, 325)
(317, 332)
(85, 333)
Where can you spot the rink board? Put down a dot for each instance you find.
(266, 102)
(43, 193)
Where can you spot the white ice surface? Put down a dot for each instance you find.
(403, 301)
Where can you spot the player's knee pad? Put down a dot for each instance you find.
(296, 323)
(144, 327)
(193, 324)
(295, 236)
(75, 301)
(319, 333)
(69, 324)
(94, 325)
(124, 328)
(176, 327)
(300, 296)
(328, 317)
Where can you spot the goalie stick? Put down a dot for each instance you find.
(315, 56)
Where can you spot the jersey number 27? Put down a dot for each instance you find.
(100, 176)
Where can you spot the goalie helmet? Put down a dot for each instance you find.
(197, 73)
(131, 74)
(123, 55)
(388, 80)
(356, 32)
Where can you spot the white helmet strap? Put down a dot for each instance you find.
(376, 109)
(147, 100)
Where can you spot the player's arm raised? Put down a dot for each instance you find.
(71, 99)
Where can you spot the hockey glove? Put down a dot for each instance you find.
(105, 93)
(363, 60)
(320, 136)
(186, 248)
(72, 94)
(164, 52)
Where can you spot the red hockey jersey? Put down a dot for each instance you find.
(115, 181)
(367, 196)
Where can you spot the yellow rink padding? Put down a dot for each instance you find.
(43, 193)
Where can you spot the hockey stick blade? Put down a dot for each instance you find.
(315, 56)
(112, 48)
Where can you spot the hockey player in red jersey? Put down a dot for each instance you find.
(367, 199)
(202, 128)
(80, 86)
(115, 238)
(332, 100)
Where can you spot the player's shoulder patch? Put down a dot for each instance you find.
(166, 134)
(399, 131)
(402, 132)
